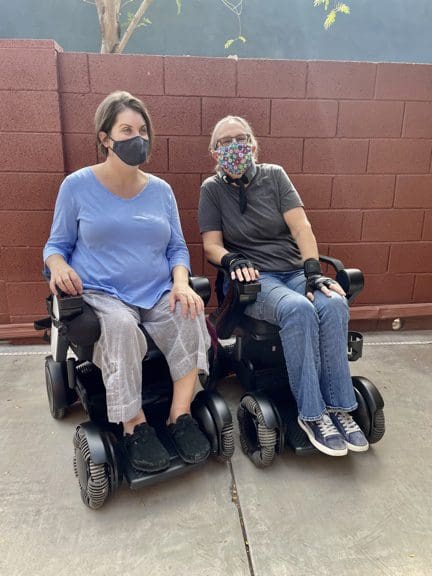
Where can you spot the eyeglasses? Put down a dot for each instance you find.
(240, 139)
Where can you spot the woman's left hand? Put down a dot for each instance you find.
(191, 303)
(327, 290)
(336, 287)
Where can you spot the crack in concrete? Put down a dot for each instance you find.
(235, 499)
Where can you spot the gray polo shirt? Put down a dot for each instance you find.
(260, 233)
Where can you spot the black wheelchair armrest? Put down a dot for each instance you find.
(62, 306)
(337, 264)
(201, 285)
(65, 306)
(351, 279)
(84, 328)
(232, 304)
(74, 318)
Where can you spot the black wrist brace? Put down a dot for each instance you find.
(312, 266)
(232, 261)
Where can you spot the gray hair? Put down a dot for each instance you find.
(240, 120)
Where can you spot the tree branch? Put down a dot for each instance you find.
(108, 14)
(133, 24)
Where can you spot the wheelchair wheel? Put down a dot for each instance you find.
(257, 440)
(378, 427)
(93, 479)
(226, 444)
(56, 387)
(370, 412)
(214, 418)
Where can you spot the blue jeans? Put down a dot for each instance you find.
(314, 341)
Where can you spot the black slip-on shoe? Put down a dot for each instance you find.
(192, 445)
(144, 450)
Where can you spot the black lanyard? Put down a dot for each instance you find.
(241, 182)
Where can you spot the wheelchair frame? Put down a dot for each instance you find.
(99, 461)
(251, 349)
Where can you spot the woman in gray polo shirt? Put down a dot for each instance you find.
(253, 224)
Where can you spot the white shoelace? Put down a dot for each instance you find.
(326, 426)
(347, 422)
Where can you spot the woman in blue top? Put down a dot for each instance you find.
(116, 239)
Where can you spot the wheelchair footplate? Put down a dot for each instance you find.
(137, 479)
(286, 409)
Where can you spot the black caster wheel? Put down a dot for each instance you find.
(257, 440)
(226, 443)
(57, 387)
(94, 479)
(214, 418)
(370, 412)
(378, 427)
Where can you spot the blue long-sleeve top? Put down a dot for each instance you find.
(125, 247)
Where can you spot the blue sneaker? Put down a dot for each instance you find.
(324, 436)
(350, 430)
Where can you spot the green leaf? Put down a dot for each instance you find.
(342, 8)
(242, 38)
(228, 43)
(321, 2)
(179, 6)
(144, 22)
(331, 17)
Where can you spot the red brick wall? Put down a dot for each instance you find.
(356, 138)
(31, 169)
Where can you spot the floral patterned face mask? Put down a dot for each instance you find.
(235, 158)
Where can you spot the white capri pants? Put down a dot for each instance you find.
(122, 346)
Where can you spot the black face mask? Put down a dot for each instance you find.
(133, 151)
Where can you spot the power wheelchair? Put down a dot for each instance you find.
(251, 349)
(99, 463)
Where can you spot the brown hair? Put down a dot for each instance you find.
(109, 108)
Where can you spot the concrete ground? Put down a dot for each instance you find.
(363, 515)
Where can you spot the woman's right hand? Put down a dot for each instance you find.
(65, 278)
(245, 274)
(239, 267)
